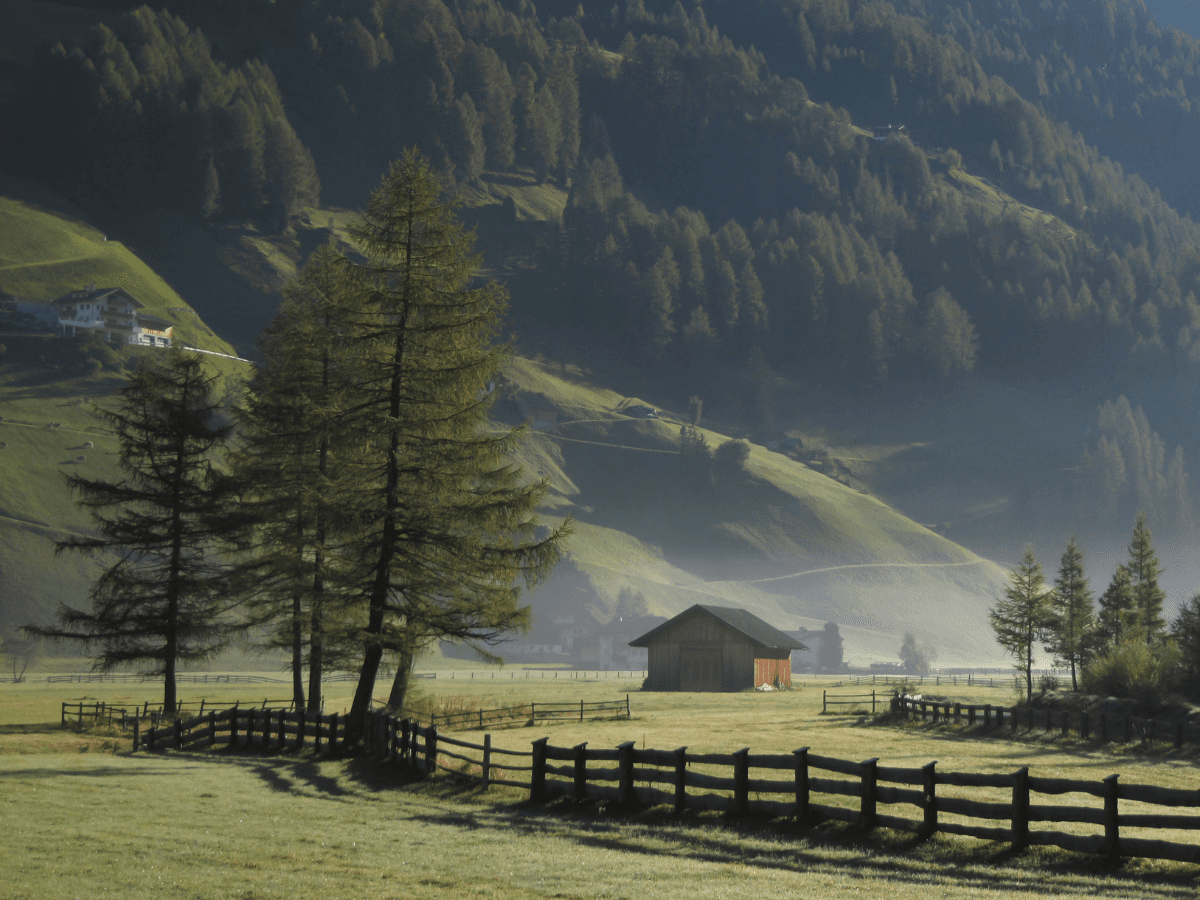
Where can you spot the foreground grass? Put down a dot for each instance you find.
(204, 826)
(83, 817)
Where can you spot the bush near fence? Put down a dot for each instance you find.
(1103, 726)
(573, 772)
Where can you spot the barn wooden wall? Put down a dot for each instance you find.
(740, 659)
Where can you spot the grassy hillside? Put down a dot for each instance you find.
(48, 395)
(781, 539)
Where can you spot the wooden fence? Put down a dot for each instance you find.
(532, 713)
(268, 729)
(1102, 726)
(639, 778)
(852, 700)
(106, 713)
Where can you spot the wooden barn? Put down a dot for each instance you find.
(716, 648)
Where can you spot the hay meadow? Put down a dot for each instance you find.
(84, 817)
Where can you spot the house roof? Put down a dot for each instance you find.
(95, 295)
(748, 624)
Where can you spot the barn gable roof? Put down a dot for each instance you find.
(754, 628)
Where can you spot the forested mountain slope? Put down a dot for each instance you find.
(753, 202)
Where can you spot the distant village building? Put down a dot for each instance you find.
(808, 658)
(716, 648)
(114, 314)
(614, 648)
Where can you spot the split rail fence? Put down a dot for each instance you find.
(1102, 726)
(638, 778)
(81, 713)
(854, 701)
(532, 713)
(268, 729)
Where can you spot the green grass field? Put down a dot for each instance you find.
(85, 818)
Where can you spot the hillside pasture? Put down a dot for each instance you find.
(84, 817)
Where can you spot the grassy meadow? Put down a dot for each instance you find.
(83, 817)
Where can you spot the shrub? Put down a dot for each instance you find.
(1134, 670)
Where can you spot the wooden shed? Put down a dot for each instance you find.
(716, 648)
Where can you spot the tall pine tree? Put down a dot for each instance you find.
(1021, 615)
(452, 524)
(161, 602)
(1143, 577)
(1072, 618)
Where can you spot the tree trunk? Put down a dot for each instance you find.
(404, 668)
(297, 654)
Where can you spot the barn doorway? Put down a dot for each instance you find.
(701, 670)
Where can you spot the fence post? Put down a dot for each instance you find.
(681, 779)
(870, 795)
(333, 724)
(1020, 808)
(282, 730)
(872, 701)
(178, 734)
(628, 715)
(533, 709)
(1083, 724)
(971, 716)
(801, 757)
(431, 751)
(1112, 831)
(987, 716)
(537, 773)
(824, 708)
(929, 778)
(741, 781)
(1128, 729)
(487, 760)
(580, 710)
(581, 771)
(1066, 725)
(233, 727)
(625, 768)
(212, 727)
(136, 734)
(1016, 725)
(301, 727)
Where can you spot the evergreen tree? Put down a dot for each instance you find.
(1022, 614)
(1186, 632)
(1143, 578)
(1117, 621)
(829, 655)
(914, 657)
(451, 523)
(1072, 618)
(162, 601)
(292, 470)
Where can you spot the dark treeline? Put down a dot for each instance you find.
(728, 203)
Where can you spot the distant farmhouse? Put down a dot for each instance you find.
(113, 314)
(716, 648)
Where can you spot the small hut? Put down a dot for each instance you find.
(716, 648)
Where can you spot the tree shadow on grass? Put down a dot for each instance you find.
(827, 847)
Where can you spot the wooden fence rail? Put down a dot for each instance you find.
(851, 700)
(266, 728)
(532, 713)
(1102, 726)
(786, 785)
(106, 713)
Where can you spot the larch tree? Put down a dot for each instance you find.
(1072, 617)
(1144, 570)
(1021, 615)
(451, 523)
(1117, 619)
(291, 468)
(162, 601)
